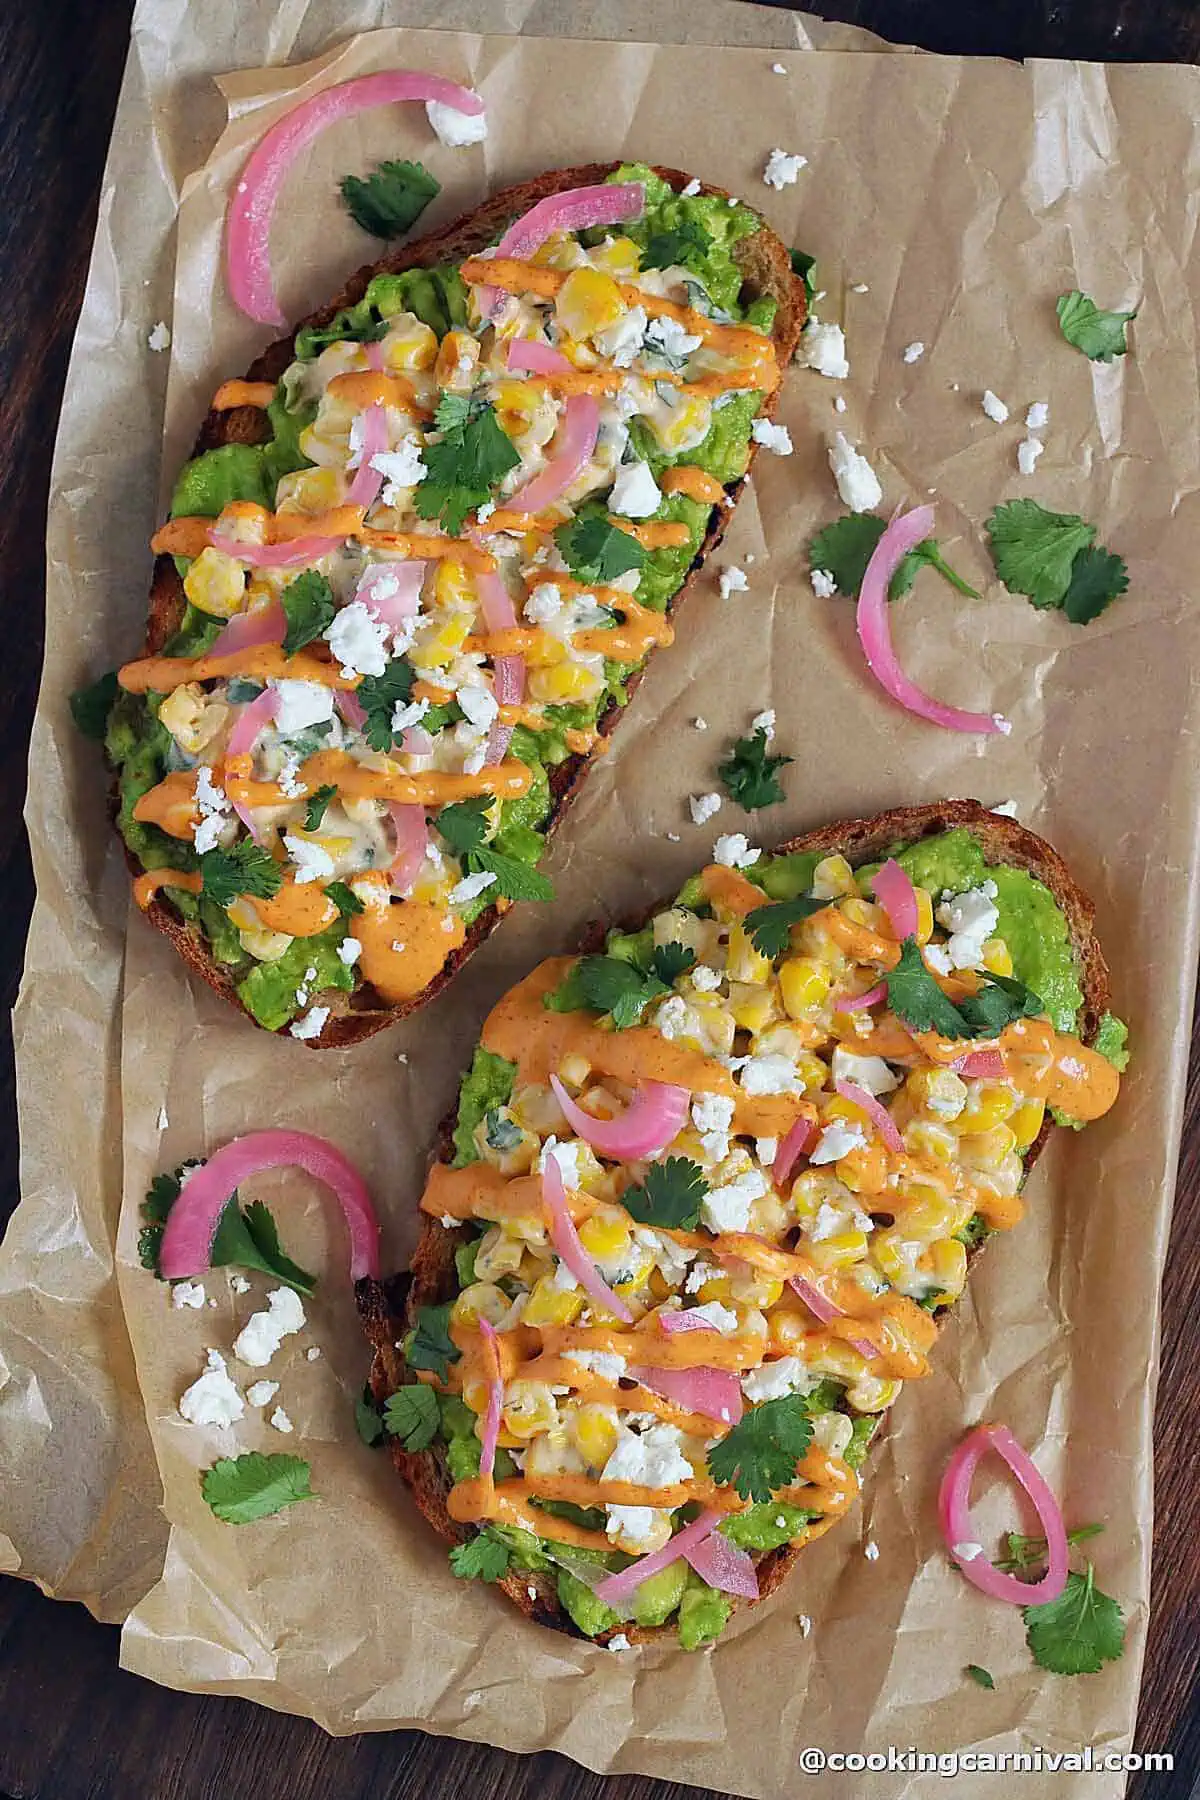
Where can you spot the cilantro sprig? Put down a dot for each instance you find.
(1027, 1552)
(981, 1677)
(344, 898)
(1050, 558)
(245, 868)
(412, 1415)
(1087, 327)
(915, 997)
(596, 551)
(241, 1489)
(759, 1456)
(464, 827)
(609, 984)
(484, 1557)
(844, 549)
(429, 1345)
(464, 465)
(670, 1196)
(318, 801)
(246, 1237)
(750, 772)
(380, 695)
(309, 608)
(769, 927)
(1077, 1633)
(681, 248)
(388, 202)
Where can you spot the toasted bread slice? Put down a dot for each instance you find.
(388, 1310)
(766, 267)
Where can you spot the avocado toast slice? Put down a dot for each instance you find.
(821, 1277)
(673, 328)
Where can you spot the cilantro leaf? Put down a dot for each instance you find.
(314, 812)
(515, 880)
(597, 551)
(1026, 1552)
(1087, 327)
(759, 1456)
(91, 705)
(240, 1489)
(430, 1345)
(999, 1001)
(1034, 550)
(1077, 1633)
(749, 772)
(670, 1195)
(672, 249)
(464, 825)
(463, 467)
(309, 608)
(670, 961)
(244, 1239)
(979, 1676)
(804, 267)
(769, 927)
(844, 549)
(412, 1415)
(609, 985)
(389, 202)
(1097, 579)
(367, 1420)
(344, 898)
(380, 695)
(483, 1557)
(246, 868)
(915, 996)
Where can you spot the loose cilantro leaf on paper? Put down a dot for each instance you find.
(344, 898)
(309, 608)
(430, 1345)
(805, 266)
(389, 202)
(246, 868)
(597, 551)
(915, 996)
(314, 812)
(1087, 327)
(844, 549)
(1000, 1000)
(980, 1677)
(1034, 550)
(464, 825)
(1097, 579)
(759, 1456)
(515, 880)
(246, 1238)
(482, 1558)
(670, 1196)
(749, 773)
(1027, 1552)
(670, 961)
(380, 695)
(412, 1415)
(1077, 1633)
(91, 705)
(769, 927)
(672, 249)
(473, 454)
(241, 1489)
(368, 1421)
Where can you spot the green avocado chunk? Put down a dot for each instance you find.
(591, 1615)
(703, 227)
(658, 1596)
(703, 1613)
(766, 1525)
(269, 991)
(487, 1083)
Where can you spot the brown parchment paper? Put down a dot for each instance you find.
(966, 195)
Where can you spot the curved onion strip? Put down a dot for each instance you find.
(499, 614)
(954, 1516)
(818, 1304)
(412, 839)
(656, 1114)
(247, 630)
(680, 1319)
(529, 356)
(351, 709)
(374, 357)
(571, 451)
(392, 591)
(364, 489)
(187, 1238)
(248, 227)
(898, 897)
(614, 1588)
(860, 1002)
(565, 1239)
(713, 1392)
(797, 1141)
(875, 1110)
(875, 630)
(724, 1566)
(986, 1064)
(248, 725)
(491, 1418)
(274, 556)
(575, 209)
(417, 742)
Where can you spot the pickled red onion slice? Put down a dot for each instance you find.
(875, 1110)
(374, 357)
(817, 1303)
(898, 897)
(713, 1392)
(875, 630)
(499, 614)
(187, 1238)
(364, 489)
(565, 1239)
(985, 1064)
(392, 591)
(248, 630)
(954, 1515)
(860, 1002)
(491, 1418)
(274, 556)
(247, 728)
(656, 1114)
(575, 209)
(797, 1141)
(680, 1319)
(724, 1566)
(351, 709)
(248, 227)
(412, 839)
(614, 1588)
(530, 356)
(571, 451)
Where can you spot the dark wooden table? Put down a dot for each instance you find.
(71, 1725)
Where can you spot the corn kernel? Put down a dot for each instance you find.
(896, 1257)
(839, 1251)
(192, 719)
(444, 644)
(566, 682)
(985, 1108)
(453, 587)
(605, 1235)
(1026, 1122)
(683, 426)
(717, 1287)
(872, 1393)
(620, 258)
(804, 985)
(832, 1431)
(840, 1108)
(260, 943)
(756, 1289)
(215, 583)
(751, 1007)
(988, 1149)
(588, 301)
(456, 361)
(497, 1255)
(928, 1214)
(833, 879)
(867, 914)
(410, 343)
(550, 1305)
(811, 1071)
(594, 1430)
(864, 1171)
(997, 959)
(837, 1358)
(313, 490)
(948, 1266)
(815, 1188)
(529, 1407)
(787, 1331)
(482, 1300)
(743, 962)
(924, 914)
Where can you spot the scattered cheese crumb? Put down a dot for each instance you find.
(280, 1420)
(313, 1353)
(914, 352)
(311, 1025)
(187, 1293)
(691, 190)
(778, 69)
(260, 1392)
(994, 407)
(732, 580)
(857, 482)
(823, 584)
(1028, 451)
(162, 1118)
(860, 287)
(456, 129)
(239, 1284)
(700, 724)
(349, 951)
(805, 1624)
(968, 1552)
(619, 1642)
(764, 721)
(1007, 809)
(839, 404)
(871, 1550)
(733, 849)
(212, 1399)
(823, 349)
(263, 1332)
(470, 887)
(1038, 416)
(703, 807)
(783, 169)
(776, 438)
(160, 337)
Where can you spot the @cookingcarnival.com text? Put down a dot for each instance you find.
(949, 1763)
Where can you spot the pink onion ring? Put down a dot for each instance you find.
(724, 1566)
(821, 1307)
(412, 841)
(275, 556)
(875, 630)
(565, 1239)
(898, 897)
(878, 1114)
(575, 209)
(250, 723)
(954, 1515)
(364, 489)
(797, 1141)
(656, 1114)
(248, 630)
(859, 1002)
(530, 356)
(491, 1418)
(248, 227)
(680, 1319)
(615, 1588)
(715, 1393)
(191, 1226)
(571, 450)
(987, 1065)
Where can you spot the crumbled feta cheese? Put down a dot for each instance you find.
(839, 404)
(635, 493)
(721, 1318)
(187, 1293)
(621, 341)
(727, 1208)
(870, 1073)
(772, 1073)
(401, 468)
(672, 339)
(914, 352)
(938, 959)
(732, 580)
(778, 69)
(994, 407)
(1028, 451)
(312, 863)
(712, 1115)
(703, 807)
(857, 482)
(823, 349)
(456, 129)
(705, 979)
(483, 513)
(700, 1272)
(263, 1332)
(837, 1140)
(773, 1380)
(288, 779)
(299, 704)
(260, 1392)
(671, 1018)
(349, 951)
(160, 336)
(162, 1111)
(766, 1149)
(1007, 809)
(699, 724)
(545, 604)
(358, 641)
(605, 1363)
(971, 919)
(214, 807)
(652, 1459)
(619, 1641)
(871, 1550)
(824, 586)
(212, 1399)
(239, 1284)
(691, 190)
(782, 169)
(313, 1353)
(470, 887)
(406, 715)
(764, 721)
(479, 706)
(775, 438)
(733, 850)
(280, 1420)
(566, 1155)
(1038, 416)
(967, 1552)
(637, 1526)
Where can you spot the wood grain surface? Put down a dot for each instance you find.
(72, 1727)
